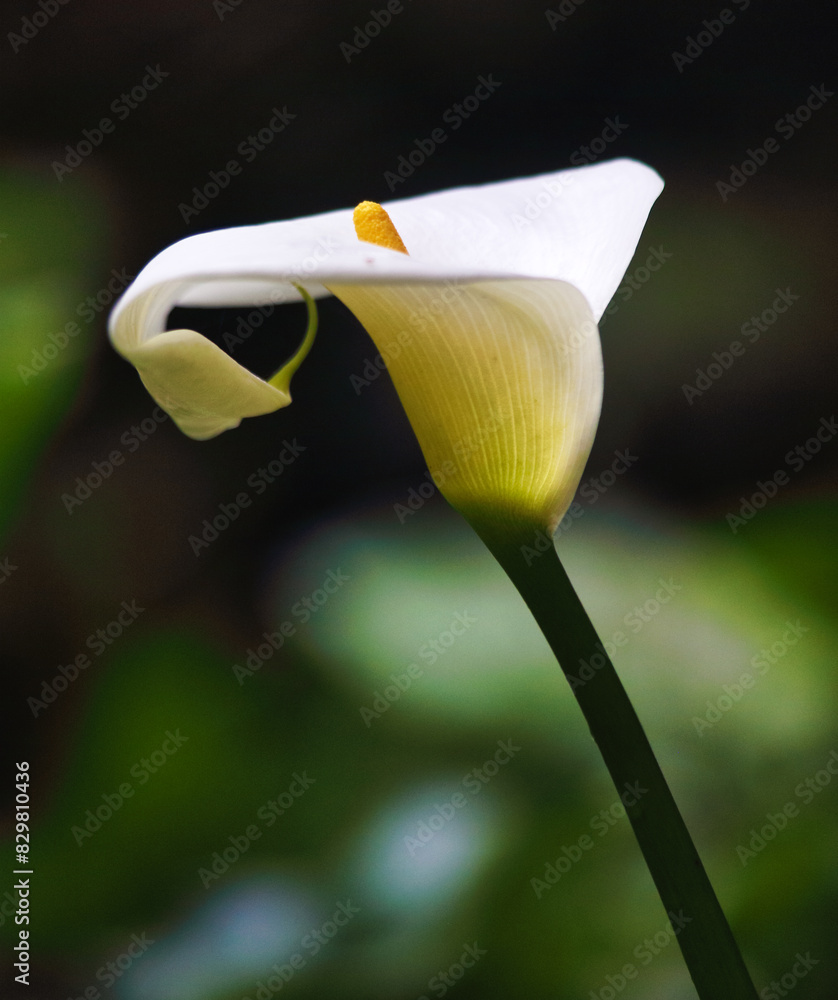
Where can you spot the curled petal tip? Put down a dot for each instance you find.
(203, 389)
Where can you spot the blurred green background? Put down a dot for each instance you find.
(218, 817)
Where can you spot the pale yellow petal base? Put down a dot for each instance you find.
(502, 383)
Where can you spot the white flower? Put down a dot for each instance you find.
(488, 323)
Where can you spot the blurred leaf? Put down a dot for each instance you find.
(51, 240)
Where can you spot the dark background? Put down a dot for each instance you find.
(560, 82)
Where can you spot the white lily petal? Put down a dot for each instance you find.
(540, 258)
(502, 384)
(579, 225)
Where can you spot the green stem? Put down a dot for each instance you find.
(282, 379)
(707, 943)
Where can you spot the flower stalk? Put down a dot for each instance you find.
(710, 951)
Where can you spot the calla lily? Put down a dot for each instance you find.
(487, 323)
(484, 302)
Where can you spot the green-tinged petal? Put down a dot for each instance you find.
(203, 389)
(502, 383)
(200, 386)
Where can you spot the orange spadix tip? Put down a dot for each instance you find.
(374, 225)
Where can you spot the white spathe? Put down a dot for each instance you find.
(500, 368)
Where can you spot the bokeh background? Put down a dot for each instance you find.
(282, 820)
